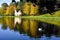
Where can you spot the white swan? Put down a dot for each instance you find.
(40, 29)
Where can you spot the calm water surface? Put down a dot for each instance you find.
(27, 29)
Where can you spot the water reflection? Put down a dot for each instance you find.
(17, 20)
(30, 28)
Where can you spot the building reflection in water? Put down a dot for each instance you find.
(17, 20)
(29, 27)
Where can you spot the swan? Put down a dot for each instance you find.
(40, 29)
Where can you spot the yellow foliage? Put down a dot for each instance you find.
(26, 8)
(10, 10)
(34, 9)
(0, 10)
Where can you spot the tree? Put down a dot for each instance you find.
(13, 0)
(3, 8)
(21, 0)
(4, 5)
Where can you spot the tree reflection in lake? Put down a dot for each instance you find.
(30, 27)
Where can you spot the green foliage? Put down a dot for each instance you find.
(3, 9)
(4, 5)
(20, 5)
(14, 4)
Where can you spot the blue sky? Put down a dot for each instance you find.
(6, 1)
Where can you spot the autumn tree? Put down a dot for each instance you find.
(4, 5)
(3, 8)
(13, 0)
(10, 9)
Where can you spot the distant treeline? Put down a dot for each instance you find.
(30, 7)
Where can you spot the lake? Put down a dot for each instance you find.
(15, 28)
